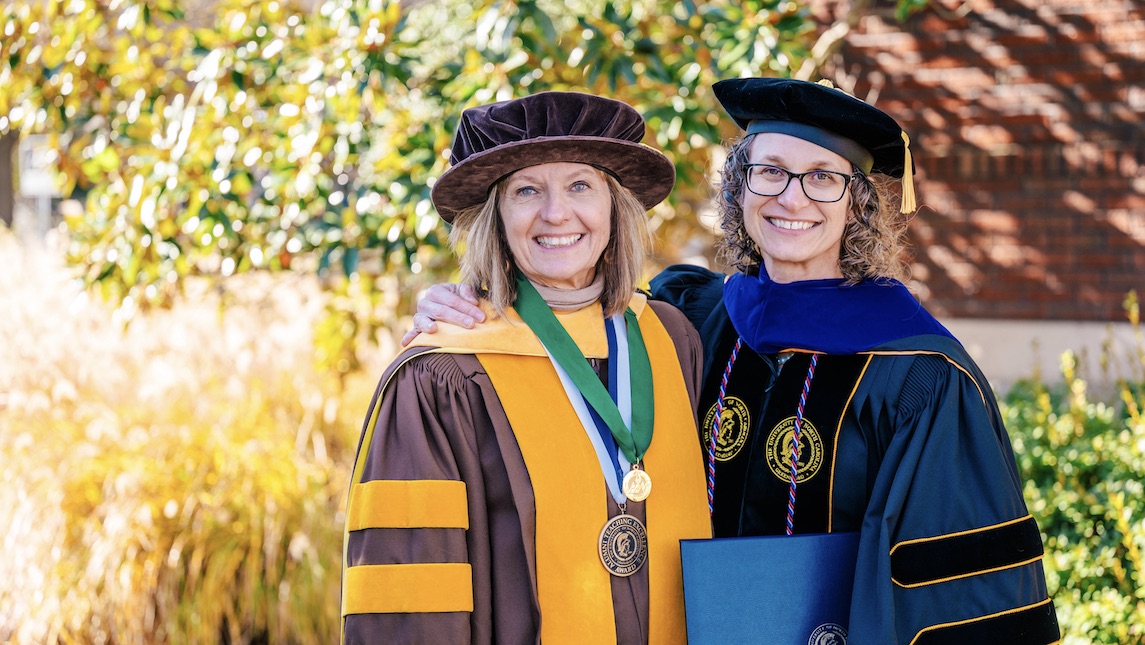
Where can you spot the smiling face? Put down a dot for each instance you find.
(557, 222)
(798, 238)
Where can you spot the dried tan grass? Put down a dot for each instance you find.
(178, 478)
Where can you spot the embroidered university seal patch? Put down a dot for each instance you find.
(735, 423)
(779, 450)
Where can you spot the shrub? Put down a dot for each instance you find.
(1083, 462)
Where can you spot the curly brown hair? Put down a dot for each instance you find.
(874, 238)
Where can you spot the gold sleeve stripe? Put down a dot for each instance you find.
(408, 588)
(408, 504)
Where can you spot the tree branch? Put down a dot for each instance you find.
(831, 40)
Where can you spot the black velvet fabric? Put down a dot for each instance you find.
(827, 108)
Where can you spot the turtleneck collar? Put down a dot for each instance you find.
(571, 299)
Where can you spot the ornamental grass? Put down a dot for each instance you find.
(178, 477)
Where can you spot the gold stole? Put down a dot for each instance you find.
(574, 588)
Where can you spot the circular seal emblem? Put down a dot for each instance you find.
(828, 634)
(779, 450)
(623, 545)
(735, 423)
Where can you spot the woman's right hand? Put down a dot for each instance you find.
(452, 303)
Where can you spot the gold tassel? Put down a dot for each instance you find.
(908, 203)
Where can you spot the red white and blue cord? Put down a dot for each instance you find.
(716, 424)
(795, 445)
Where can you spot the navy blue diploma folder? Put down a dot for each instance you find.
(782, 590)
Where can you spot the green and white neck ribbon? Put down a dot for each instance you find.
(613, 463)
(630, 426)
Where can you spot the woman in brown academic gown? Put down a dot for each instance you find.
(502, 488)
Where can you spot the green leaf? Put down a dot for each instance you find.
(350, 261)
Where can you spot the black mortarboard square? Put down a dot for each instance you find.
(823, 107)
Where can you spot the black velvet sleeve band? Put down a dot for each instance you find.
(1034, 625)
(959, 555)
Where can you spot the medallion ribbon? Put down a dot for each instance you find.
(539, 317)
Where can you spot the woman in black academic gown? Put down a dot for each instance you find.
(899, 436)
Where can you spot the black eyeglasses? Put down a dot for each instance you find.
(824, 186)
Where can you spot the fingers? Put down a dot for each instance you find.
(424, 323)
(466, 292)
(421, 324)
(453, 304)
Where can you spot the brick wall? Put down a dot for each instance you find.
(1027, 120)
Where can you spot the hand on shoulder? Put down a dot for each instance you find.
(448, 302)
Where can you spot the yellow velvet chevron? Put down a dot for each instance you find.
(407, 588)
(401, 504)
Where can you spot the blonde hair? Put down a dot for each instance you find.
(478, 238)
(874, 237)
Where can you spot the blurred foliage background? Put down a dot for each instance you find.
(180, 398)
(219, 137)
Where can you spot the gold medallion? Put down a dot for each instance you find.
(623, 545)
(637, 484)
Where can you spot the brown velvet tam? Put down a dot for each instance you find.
(498, 139)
